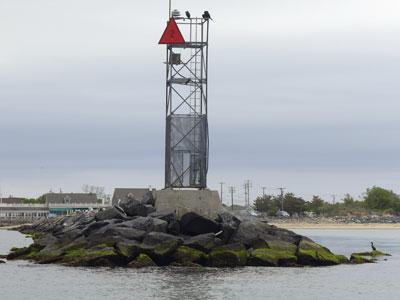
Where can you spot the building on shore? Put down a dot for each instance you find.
(52, 204)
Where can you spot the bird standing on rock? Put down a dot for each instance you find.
(372, 246)
(187, 14)
(207, 15)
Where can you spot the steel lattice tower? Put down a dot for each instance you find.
(186, 148)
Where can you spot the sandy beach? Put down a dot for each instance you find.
(351, 226)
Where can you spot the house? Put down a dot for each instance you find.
(70, 198)
(123, 193)
(12, 200)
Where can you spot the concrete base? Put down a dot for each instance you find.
(203, 202)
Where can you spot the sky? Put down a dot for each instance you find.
(302, 95)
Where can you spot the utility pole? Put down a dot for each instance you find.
(221, 184)
(281, 189)
(334, 199)
(232, 190)
(263, 189)
(247, 186)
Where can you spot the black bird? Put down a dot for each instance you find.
(207, 16)
(187, 14)
(372, 246)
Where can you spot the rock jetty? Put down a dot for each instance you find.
(133, 235)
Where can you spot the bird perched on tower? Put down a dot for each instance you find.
(187, 14)
(207, 16)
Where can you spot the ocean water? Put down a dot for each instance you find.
(25, 280)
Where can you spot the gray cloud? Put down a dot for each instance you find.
(302, 94)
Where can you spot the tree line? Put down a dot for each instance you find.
(375, 200)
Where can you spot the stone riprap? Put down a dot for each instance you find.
(133, 235)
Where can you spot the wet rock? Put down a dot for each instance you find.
(146, 224)
(148, 199)
(2, 261)
(312, 254)
(185, 256)
(203, 242)
(229, 225)
(95, 256)
(128, 249)
(194, 224)
(94, 227)
(366, 257)
(142, 261)
(109, 213)
(251, 230)
(232, 255)
(272, 258)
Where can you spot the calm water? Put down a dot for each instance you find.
(24, 280)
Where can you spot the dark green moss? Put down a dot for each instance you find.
(186, 255)
(228, 256)
(272, 258)
(142, 261)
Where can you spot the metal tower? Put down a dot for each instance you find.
(186, 136)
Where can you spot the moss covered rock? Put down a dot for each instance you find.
(128, 249)
(366, 257)
(101, 255)
(272, 258)
(312, 254)
(188, 256)
(142, 261)
(228, 256)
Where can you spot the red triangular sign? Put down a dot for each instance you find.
(172, 34)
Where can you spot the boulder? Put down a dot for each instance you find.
(232, 255)
(142, 261)
(2, 261)
(312, 254)
(125, 233)
(173, 223)
(149, 209)
(146, 224)
(109, 213)
(185, 256)
(251, 230)
(204, 242)
(128, 249)
(156, 238)
(99, 255)
(272, 258)
(229, 225)
(194, 224)
(94, 227)
(366, 257)
(133, 207)
(160, 246)
(148, 199)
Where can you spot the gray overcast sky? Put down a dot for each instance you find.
(303, 94)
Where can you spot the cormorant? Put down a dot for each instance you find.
(207, 15)
(372, 246)
(187, 14)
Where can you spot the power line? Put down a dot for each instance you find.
(281, 189)
(232, 190)
(247, 186)
(263, 189)
(221, 184)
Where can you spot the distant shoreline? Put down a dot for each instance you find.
(340, 226)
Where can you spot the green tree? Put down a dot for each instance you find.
(293, 204)
(380, 198)
(316, 205)
(268, 204)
